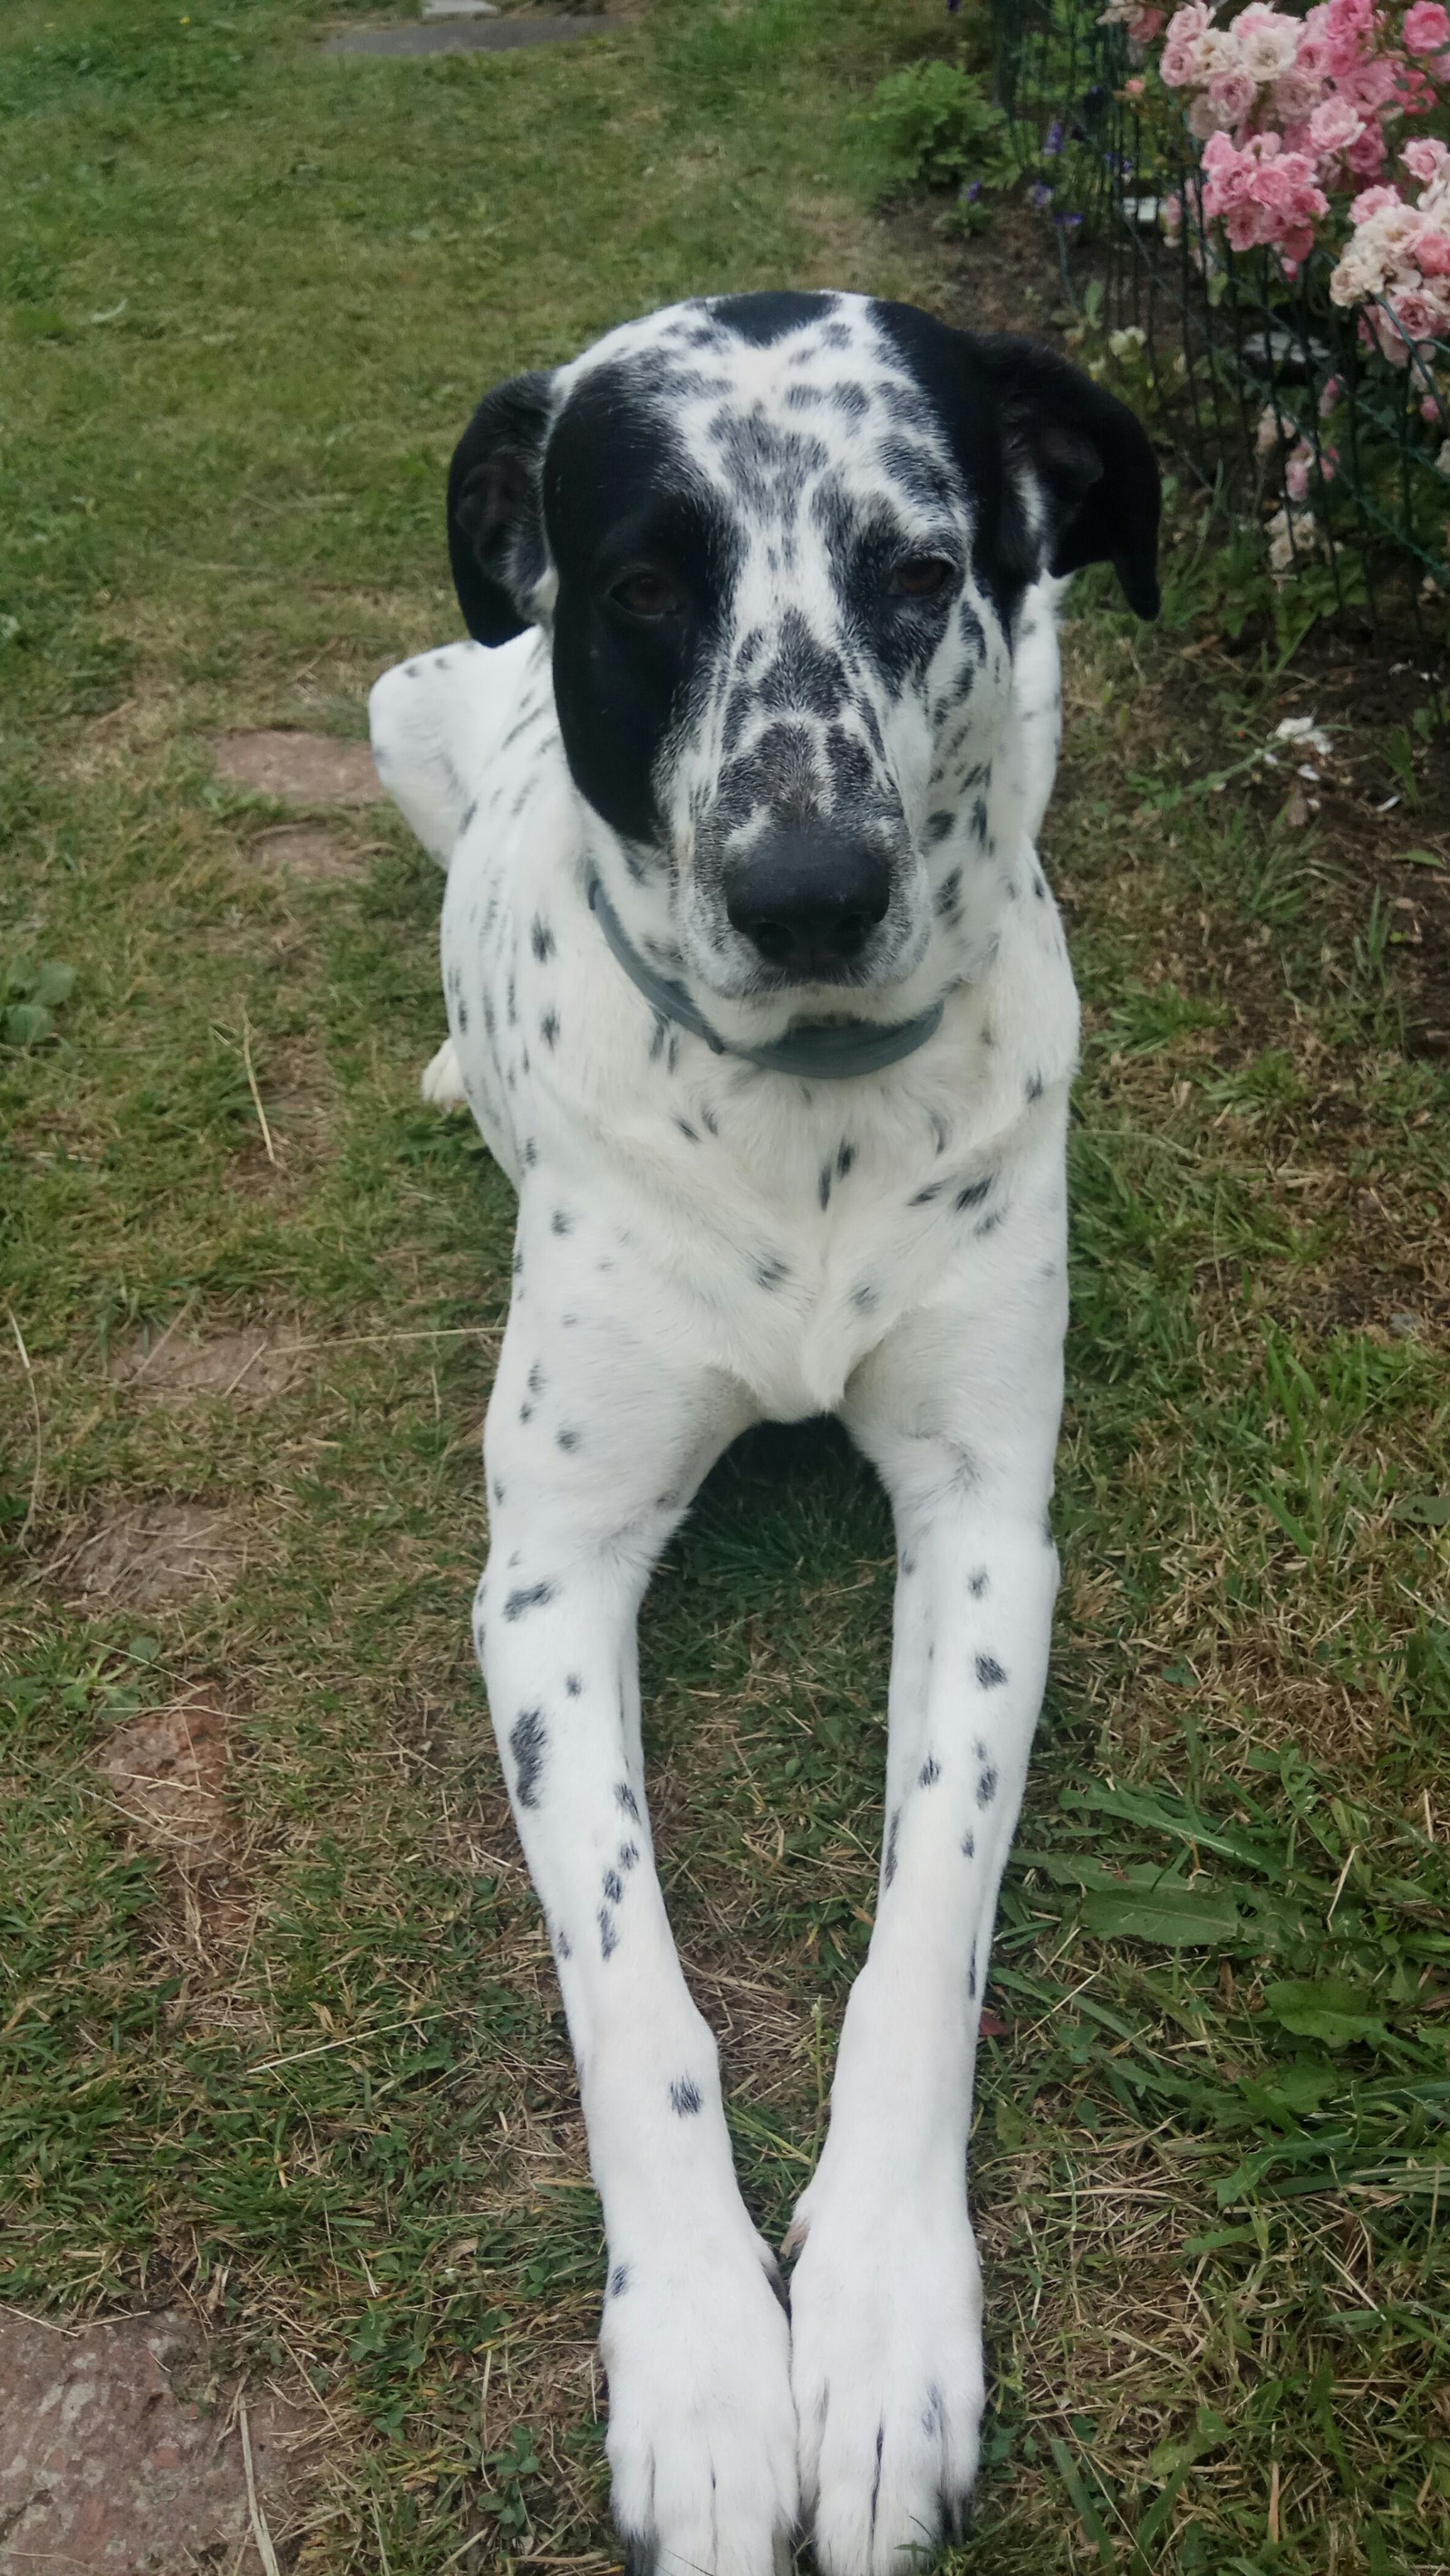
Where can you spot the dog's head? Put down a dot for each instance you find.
(781, 543)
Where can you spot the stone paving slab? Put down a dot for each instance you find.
(484, 36)
(108, 2467)
(303, 768)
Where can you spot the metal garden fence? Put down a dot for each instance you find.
(1267, 387)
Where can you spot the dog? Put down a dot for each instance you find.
(757, 992)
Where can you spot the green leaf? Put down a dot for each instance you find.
(1421, 859)
(1427, 1511)
(27, 1022)
(1174, 1918)
(53, 985)
(1325, 2008)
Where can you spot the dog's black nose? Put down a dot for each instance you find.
(808, 902)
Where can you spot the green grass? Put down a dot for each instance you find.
(333, 2105)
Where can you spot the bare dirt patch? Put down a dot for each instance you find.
(150, 1554)
(172, 1367)
(168, 1769)
(301, 768)
(310, 853)
(107, 2465)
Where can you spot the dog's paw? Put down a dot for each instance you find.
(442, 1080)
(886, 2363)
(702, 2434)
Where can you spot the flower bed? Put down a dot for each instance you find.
(1254, 215)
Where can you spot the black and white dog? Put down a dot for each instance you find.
(758, 994)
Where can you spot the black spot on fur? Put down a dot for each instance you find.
(624, 1797)
(560, 1222)
(973, 1195)
(531, 1598)
(685, 2096)
(541, 939)
(613, 1886)
(888, 1871)
(572, 1685)
(549, 1028)
(527, 1744)
(929, 1773)
(969, 1846)
(989, 1672)
(986, 1785)
(1033, 1086)
(619, 2281)
(608, 1937)
(567, 1439)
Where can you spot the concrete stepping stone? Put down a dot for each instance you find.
(305, 850)
(482, 36)
(109, 2466)
(171, 1368)
(302, 768)
(148, 1554)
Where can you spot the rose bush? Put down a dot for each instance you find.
(1298, 121)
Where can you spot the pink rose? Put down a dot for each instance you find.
(1373, 201)
(1415, 314)
(1425, 160)
(1297, 95)
(1334, 126)
(1233, 94)
(1426, 28)
(1367, 155)
(1431, 252)
(1312, 57)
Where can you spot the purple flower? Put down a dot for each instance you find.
(972, 192)
(1053, 144)
(1040, 195)
(1067, 223)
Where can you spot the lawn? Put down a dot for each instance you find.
(287, 2052)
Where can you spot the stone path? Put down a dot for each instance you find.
(305, 768)
(109, 2462)
(483, 36)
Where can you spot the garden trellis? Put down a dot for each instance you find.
(1283, 335)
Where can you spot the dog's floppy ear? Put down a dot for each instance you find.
(495, 510)
(1090, 461)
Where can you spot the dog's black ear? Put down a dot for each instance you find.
(495, 510)
(1089, 458)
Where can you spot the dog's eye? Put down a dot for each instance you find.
(648, 594)
(920, 577)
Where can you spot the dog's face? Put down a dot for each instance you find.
(781, 543)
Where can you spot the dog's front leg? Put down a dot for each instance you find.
(886, 2297)
(595, 1442)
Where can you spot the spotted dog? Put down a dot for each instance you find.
(757, 992)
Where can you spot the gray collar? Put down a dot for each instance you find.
(817, 1052)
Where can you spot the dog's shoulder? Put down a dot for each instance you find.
(440, 722)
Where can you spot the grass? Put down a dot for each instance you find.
(323, 2093)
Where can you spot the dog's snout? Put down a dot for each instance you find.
(808, 902)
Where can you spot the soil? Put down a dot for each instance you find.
(171, 1368)
(300, 768)
(168, 1770)
(307, 851)
(148, 1554)
(108, 2464)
